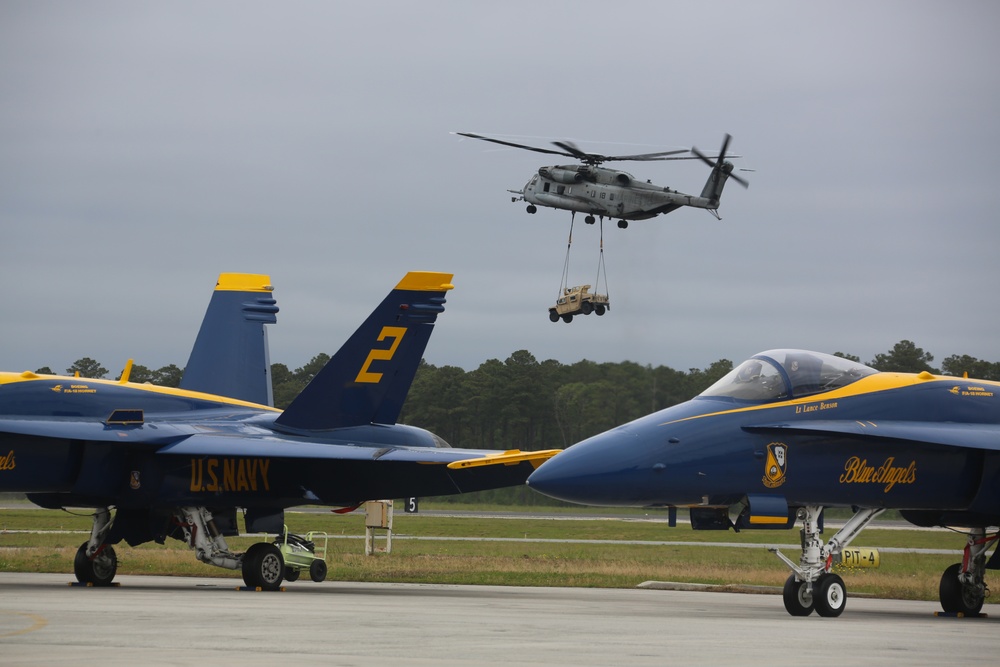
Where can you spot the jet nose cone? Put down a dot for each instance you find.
(554, 480)
(587, 473)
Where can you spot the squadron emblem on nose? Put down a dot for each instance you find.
(775, 465)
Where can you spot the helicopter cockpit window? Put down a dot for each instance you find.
(783, 374)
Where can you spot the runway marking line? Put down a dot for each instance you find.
(38, 622)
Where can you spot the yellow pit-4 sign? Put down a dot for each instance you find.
(859, 557)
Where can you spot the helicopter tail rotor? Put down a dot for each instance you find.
(720, 165)
(721, 172)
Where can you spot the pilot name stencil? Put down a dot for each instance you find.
(857, 471)
(815, 407)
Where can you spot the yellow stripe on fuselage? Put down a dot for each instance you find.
(28, 376)
(243, 282)
(422, 281)
(866, 385)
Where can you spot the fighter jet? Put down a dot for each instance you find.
(180, 462)
(790, 432)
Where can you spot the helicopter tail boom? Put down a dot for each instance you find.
(716, 182)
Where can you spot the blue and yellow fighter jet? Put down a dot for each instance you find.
(789, 432)
(179, 462)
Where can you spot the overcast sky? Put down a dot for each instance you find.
(147, 147)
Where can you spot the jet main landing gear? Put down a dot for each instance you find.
(96, 563)
(963, 587)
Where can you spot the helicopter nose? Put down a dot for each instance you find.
(597, 471)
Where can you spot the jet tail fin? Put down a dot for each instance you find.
(230, 356)
(368, 379)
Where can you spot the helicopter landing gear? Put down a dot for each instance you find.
(531, 209)
(589, 220)
(622, 224)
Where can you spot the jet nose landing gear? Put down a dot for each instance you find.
(812, 586)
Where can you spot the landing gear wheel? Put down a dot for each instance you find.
(622, 224)
(531, 209)
(830, 595)
(957, 598)
(589, 220)
(798, 600)
(97, 571)
(291, 575)
(263, 566)
(553, 316)
(317, 570)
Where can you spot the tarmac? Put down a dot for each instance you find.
(158, 620)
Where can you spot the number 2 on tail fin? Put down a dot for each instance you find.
(396, 334)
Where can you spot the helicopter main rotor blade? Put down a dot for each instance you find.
(513, 145)
(597, 158)
(569, 149)
(572, 149)
(648, 157)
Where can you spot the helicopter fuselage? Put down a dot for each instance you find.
(605, 192)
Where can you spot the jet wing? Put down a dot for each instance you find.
(342, 474)
(974, 436)
(92, 431)
(236, 446)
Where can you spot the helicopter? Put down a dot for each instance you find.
(599, 191)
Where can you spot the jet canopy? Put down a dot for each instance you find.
(778, 375)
